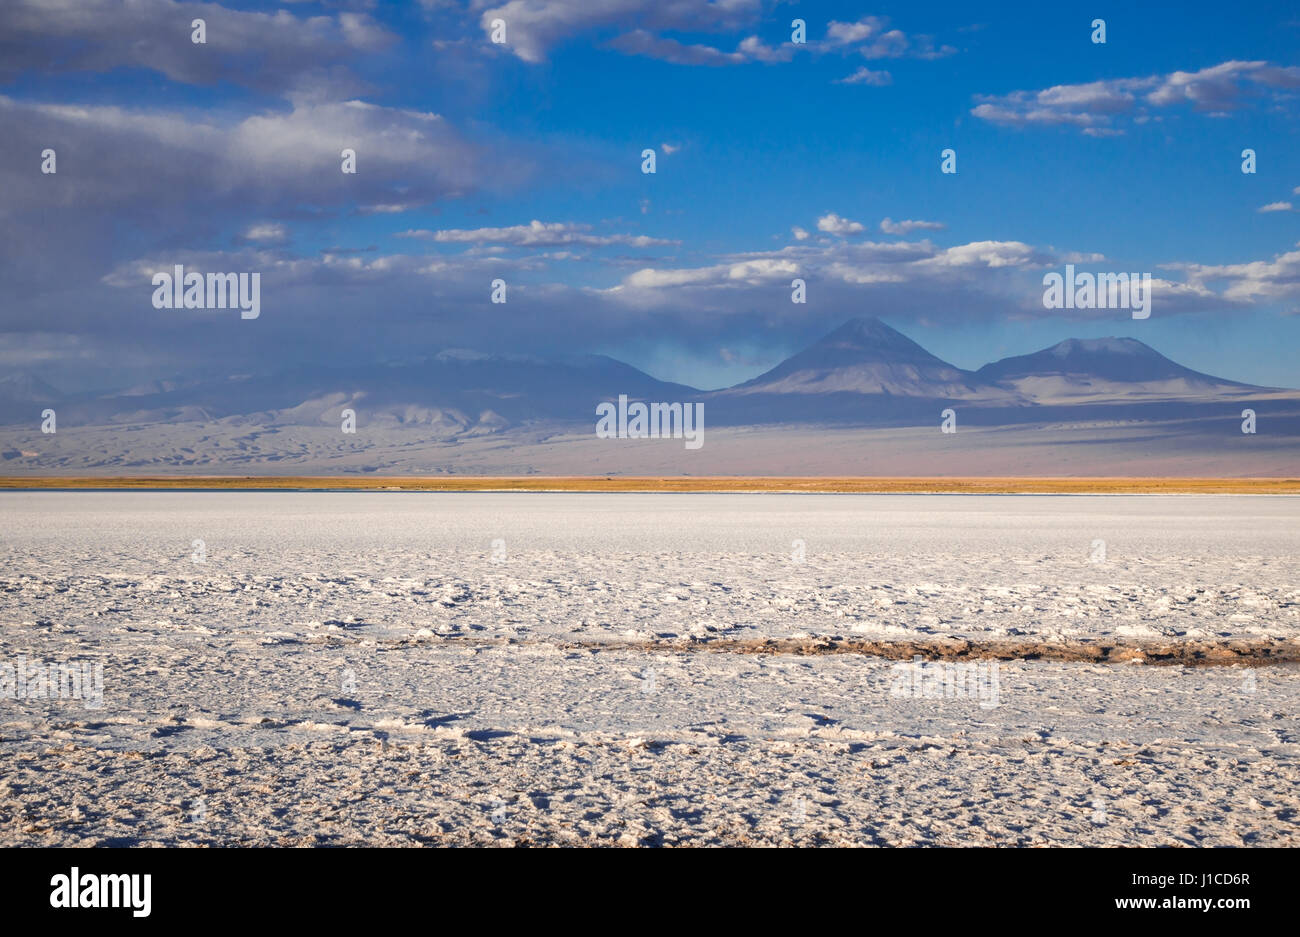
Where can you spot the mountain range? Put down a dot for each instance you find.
(864, 372)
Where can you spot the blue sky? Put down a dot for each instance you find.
(774, 161)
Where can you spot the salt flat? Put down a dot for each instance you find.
(534, 668)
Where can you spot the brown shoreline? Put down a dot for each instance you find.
(1167, 653)
(1190, 653)
(627, 483)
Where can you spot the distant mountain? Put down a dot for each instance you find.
(23, 396)
(866, 356)
(1104, 368)
(23, 386)
(864, 373)
(450, 394)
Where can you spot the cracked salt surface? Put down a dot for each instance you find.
(350, 668)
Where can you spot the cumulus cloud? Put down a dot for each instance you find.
(264, 51)
(268, 232)
(532, 29)
(850, 263)
(756, 50)
(1261, 280)
(745, 272)
(838, 33)
(913, 280)
(991, 254)
(865, 76)
(1220, 87)
(980, 280)
(869, 37)
(273, 157)
(130, 179)
(889, 226)
(642, 42)
(537, 234)
(1275, 206)
(832, 223)
(750, 49)
(1094, 107)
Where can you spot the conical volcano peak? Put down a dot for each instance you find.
(864, 326)
(864, 339)
(864, 356)
(1101, 367)
(1100, 346)
(865, 332)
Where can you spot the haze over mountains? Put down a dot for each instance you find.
(864, 365)
(863, 375)
(451, 392)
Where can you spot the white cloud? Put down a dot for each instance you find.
(864, 277)
(178, 178)
(754, 49)
(1095, 106)
(388, 208)
(731, 274)
(869, 38)
(865, 76)
(283, 155)
(832, 223)
(838, 33)
(977, 281)
(890, 45)
(643, 42)
(533, 28)
(1215, 88)
(889, 226)
(268, 232)
(990, 254)
(1266, 280)
(536, 234)
(861, 263)
(274, 51)
(751, 49)
(1276, 206)
(799, 233)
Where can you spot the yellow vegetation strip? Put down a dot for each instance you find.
(684, 484)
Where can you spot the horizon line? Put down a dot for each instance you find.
(672, 484)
